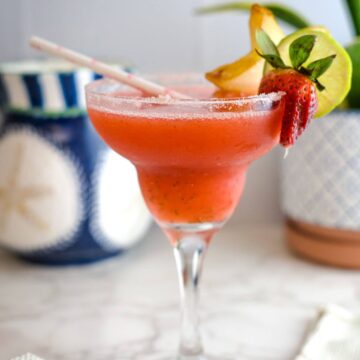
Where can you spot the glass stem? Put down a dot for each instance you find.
(189, 256)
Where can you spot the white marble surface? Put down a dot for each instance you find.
(256, 301)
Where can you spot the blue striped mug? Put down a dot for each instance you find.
(64, 197)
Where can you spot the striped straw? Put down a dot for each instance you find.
(120, 75)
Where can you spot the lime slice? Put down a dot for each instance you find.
(337, 79)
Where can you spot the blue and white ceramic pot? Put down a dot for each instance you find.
(321, 190)
(64, 197)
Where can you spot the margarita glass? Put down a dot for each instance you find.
(191, 158)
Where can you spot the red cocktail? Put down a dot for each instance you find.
(191, 157)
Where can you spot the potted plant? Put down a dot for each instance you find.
(321, 175)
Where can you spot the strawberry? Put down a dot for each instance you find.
(298, 82)
(300, 101)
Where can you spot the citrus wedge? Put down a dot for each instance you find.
(244, 75)
(337, 79)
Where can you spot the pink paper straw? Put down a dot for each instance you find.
(104, 69)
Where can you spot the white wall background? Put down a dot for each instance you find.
(160, 35)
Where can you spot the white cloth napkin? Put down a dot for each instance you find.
(27, 357)
(335, 335)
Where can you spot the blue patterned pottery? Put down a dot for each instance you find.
(64, 197)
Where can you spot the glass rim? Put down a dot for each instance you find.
(105, 89)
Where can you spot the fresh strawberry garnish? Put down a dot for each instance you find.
(301, 101)
(298, 82)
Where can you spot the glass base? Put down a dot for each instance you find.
(203, 357)
(197, 357)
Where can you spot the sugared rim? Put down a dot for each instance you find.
(105, 89)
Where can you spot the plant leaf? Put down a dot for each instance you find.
(354, 9)
(289, 15)
(265, 44)
(280, 11)
(300, 49)
(274, 60)
(232, 6)
(319, 67)
(354, 93)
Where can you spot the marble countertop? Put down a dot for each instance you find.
(257, 301)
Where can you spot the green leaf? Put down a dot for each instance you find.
(354, 9)
(288, 15)
(280, 11)
(265, 44)
(354, 94)
(319, 67)
(268, 50)
(233, 6)
(300, 49)
(274, 60)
